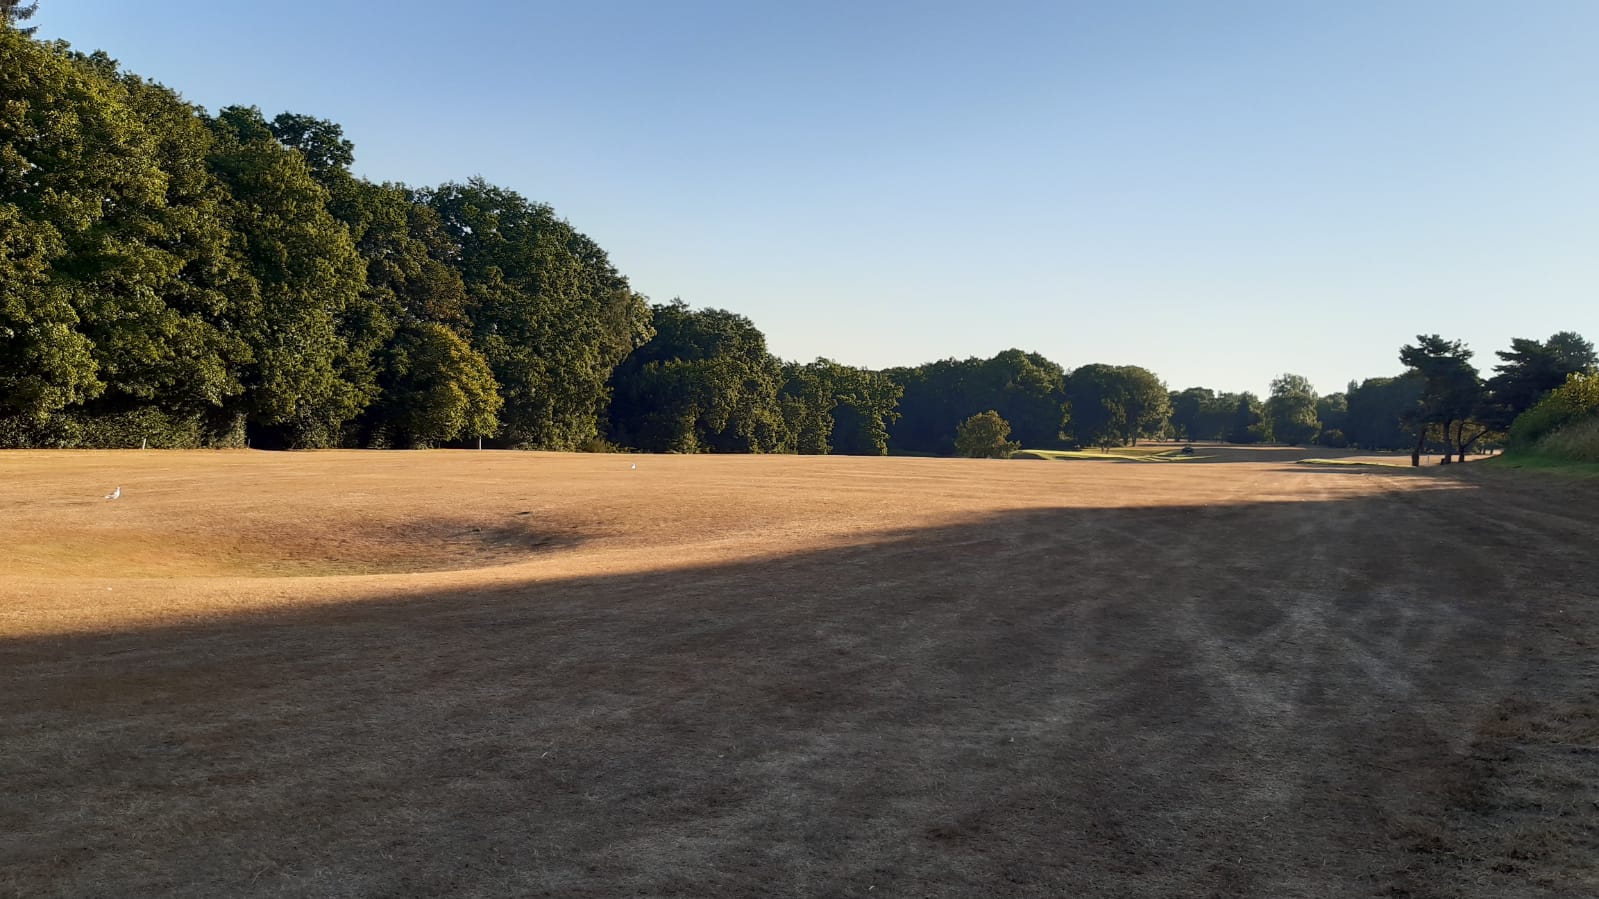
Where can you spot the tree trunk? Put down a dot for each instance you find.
(1415, 454)
(1449, 445)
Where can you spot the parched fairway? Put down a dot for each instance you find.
(503, 674)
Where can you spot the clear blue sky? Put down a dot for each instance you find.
(1218, 191)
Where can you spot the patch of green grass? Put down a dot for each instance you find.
(1542, 463)
(1353, 462)
(1119, 454)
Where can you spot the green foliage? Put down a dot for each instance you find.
(1097, 413)
(168, 274)
(114, 255)
(828, 407)
(1025, 388)
(1290, 412)
(547, 310)
(1111, 405)
(1450, 389)
(1196, 415)
(703, 383)
(436, 389)
(1247, 423)
(1577, 441)
(14, 11)
(1376, 409)
(1529, 370)
(305, 382)
(1148, 404)
(1332, 411)
(1572, 402)
(145, 426)
(984, 436)
(320, 142)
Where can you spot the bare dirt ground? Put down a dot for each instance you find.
(500, 674)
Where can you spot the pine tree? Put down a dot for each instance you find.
(12, 12)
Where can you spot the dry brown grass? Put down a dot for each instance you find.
(532, 674)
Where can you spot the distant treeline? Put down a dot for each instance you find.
(180, 278)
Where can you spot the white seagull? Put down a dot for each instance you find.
(115, 494)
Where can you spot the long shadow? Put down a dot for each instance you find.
(1222, 700)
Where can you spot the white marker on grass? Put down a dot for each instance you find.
(115, 494)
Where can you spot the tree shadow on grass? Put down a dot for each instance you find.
(1224, 700)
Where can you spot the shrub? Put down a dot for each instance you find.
(1577, 399)
(120, 430)
(1577, 441)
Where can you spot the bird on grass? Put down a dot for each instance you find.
(115, 494)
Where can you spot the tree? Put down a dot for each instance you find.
(186, 357)
(1290, 411)
(1529, 370)
(1111, 405)
(436, 389)
(1029, 391)
(1377, 408)
(548, 311)
(307, 380)
(1025, 388)
(1450, 389)
(48, 173)
(703, 383)
(1200, 413)
(1097, 402)
(1332, 411)
(319, 141)
(12, 12)
(1573, 401)
(1572, 352)
(1246, 423)
(983, 436)
(1189, 413)
(829, 407)
(115, 267)
(1147, 403)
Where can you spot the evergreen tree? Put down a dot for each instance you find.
(14, 11)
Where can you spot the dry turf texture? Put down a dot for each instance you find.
(497, 674)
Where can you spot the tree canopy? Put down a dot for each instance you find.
(984, 436)
(216, 279)
(14, 11)
(1290, 411)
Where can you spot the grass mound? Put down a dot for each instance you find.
(1576, 442)
(1537, 462)
(1572, 449)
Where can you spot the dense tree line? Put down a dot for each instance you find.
(222, 275)
(171, 275)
